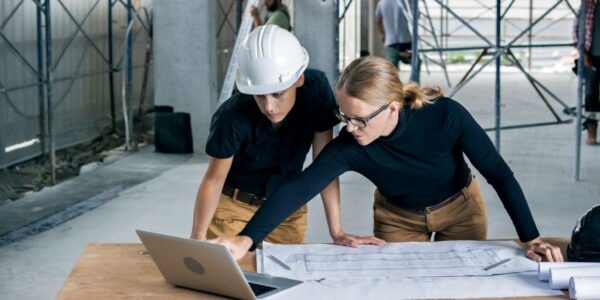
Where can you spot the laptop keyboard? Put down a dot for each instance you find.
(259, 289)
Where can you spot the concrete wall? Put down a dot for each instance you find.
(375, 45)
(314, 25)
(185, 61)
(364, 25)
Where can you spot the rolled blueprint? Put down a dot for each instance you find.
(544, 267)
(584, 287)
(559, 277)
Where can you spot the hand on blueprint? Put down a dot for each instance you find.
(350, 240)
(238, 245)
(539, 250)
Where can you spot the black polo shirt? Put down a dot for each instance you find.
(264, 157)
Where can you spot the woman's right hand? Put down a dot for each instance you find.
(350, 240)
(238, 245)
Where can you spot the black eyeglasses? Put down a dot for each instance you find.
(357, 121)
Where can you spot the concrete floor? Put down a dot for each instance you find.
(541, 158)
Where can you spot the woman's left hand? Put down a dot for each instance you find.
(538, 250)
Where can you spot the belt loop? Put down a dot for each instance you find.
(235, 194)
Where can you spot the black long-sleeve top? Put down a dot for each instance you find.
(419, 164)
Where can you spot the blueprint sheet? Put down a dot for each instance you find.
(440, 270)
(510, 285)
(427, 259)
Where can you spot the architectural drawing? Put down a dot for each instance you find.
(452, 258)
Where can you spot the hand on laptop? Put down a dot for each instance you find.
(238, 245)
(350, 240)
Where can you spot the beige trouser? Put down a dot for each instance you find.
(232, 216)
(463, 218)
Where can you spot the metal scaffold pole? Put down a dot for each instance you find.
(132, 143)
(49, 103)
(336, 43)
(40, 75)
(580, 89)
(414, 75)
(111, 68)
(499, 51)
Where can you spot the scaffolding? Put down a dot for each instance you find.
(497, 50)
(49, 58)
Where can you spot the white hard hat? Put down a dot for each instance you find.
(270, 60)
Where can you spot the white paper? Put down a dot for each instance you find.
(498, 286)
(450, 258)
(259, 261)
(584, 288)
(544, 267)
(559, 277)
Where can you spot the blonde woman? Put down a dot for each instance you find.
(410, 143)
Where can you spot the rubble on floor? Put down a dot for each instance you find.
(31, 176)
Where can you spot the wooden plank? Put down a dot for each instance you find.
(122, 271)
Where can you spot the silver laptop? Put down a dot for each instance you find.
(208, 267)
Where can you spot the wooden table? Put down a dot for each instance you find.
(121, 271)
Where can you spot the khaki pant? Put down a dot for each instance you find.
(464, 218)
(232, 216)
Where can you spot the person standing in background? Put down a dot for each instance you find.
(591, 61)
(393, 27)
(277, 14)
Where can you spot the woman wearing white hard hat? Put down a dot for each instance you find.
(259, 138)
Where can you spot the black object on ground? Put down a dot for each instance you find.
(173, 132)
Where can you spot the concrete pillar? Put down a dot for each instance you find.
(185, 61)
(376, 47)
(315, 26)
(364, 25)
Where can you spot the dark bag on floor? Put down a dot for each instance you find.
(585, 241)
(173, 133)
